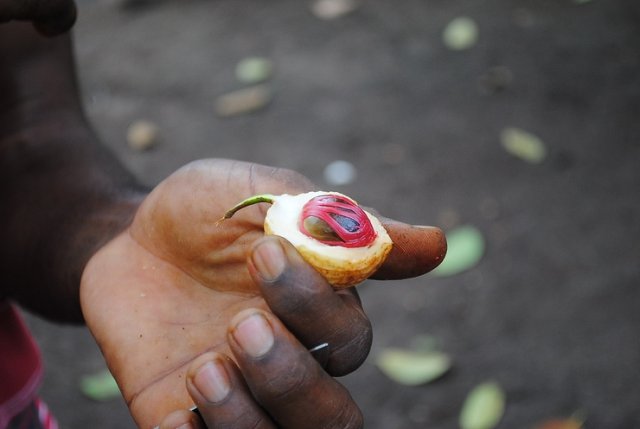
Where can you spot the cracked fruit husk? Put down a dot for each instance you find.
(331, 231)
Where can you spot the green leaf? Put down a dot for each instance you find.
(523, 145)
(412, 368)
(100, 386)
(483, 408)
(465, 248)
(460, 34)
(253, 70)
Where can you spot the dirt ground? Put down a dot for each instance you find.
(552, 310)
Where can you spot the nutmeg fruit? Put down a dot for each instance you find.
(343, 242)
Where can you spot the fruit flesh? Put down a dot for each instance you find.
(341, 266)
(339, 256)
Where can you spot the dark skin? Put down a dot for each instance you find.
(185, 311)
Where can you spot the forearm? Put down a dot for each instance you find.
(63, 195)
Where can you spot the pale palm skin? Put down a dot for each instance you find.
(162, 293)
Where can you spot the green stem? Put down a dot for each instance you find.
(263, 198)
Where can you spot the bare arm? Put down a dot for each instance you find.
(63, 195)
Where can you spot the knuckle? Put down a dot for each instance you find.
(350, 354)
(245, 421)
(300, 297)
(291, 382)
(349, 417)
(289, 178)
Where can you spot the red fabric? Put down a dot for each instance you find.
(20, 364)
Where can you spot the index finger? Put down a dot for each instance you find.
(416, 250)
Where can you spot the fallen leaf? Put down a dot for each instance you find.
(412, 368)
(523, 145)
(575, 422)
(243, 101)
(465, 248)
(100, 386)
(483, 408)
(460, 34)
(333, 9)
(253, 70)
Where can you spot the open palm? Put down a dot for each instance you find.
(162, 292)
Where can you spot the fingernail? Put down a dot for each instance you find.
(254, 335)
(185, 426)
(269, 259)
(212, 381)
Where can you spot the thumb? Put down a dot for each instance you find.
(416, 250)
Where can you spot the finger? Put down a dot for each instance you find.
(310, 308)
(285, 379)
(416, 250)
(222, 396)
(50, 17)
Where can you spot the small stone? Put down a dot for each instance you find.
(340, 173)
(142, 135)
(243, 101)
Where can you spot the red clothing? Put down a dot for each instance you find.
(20, 365)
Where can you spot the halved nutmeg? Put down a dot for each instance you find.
(331, 231)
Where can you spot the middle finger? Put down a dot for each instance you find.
(310, 308)
(284, 377)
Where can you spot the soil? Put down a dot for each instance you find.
(551, 312)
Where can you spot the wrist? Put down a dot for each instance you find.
(63, 196)
(49, 268)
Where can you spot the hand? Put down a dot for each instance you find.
(50, 17)
(171, 297)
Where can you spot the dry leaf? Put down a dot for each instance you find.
(333, 9)
(571, 423)
(243, 101)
